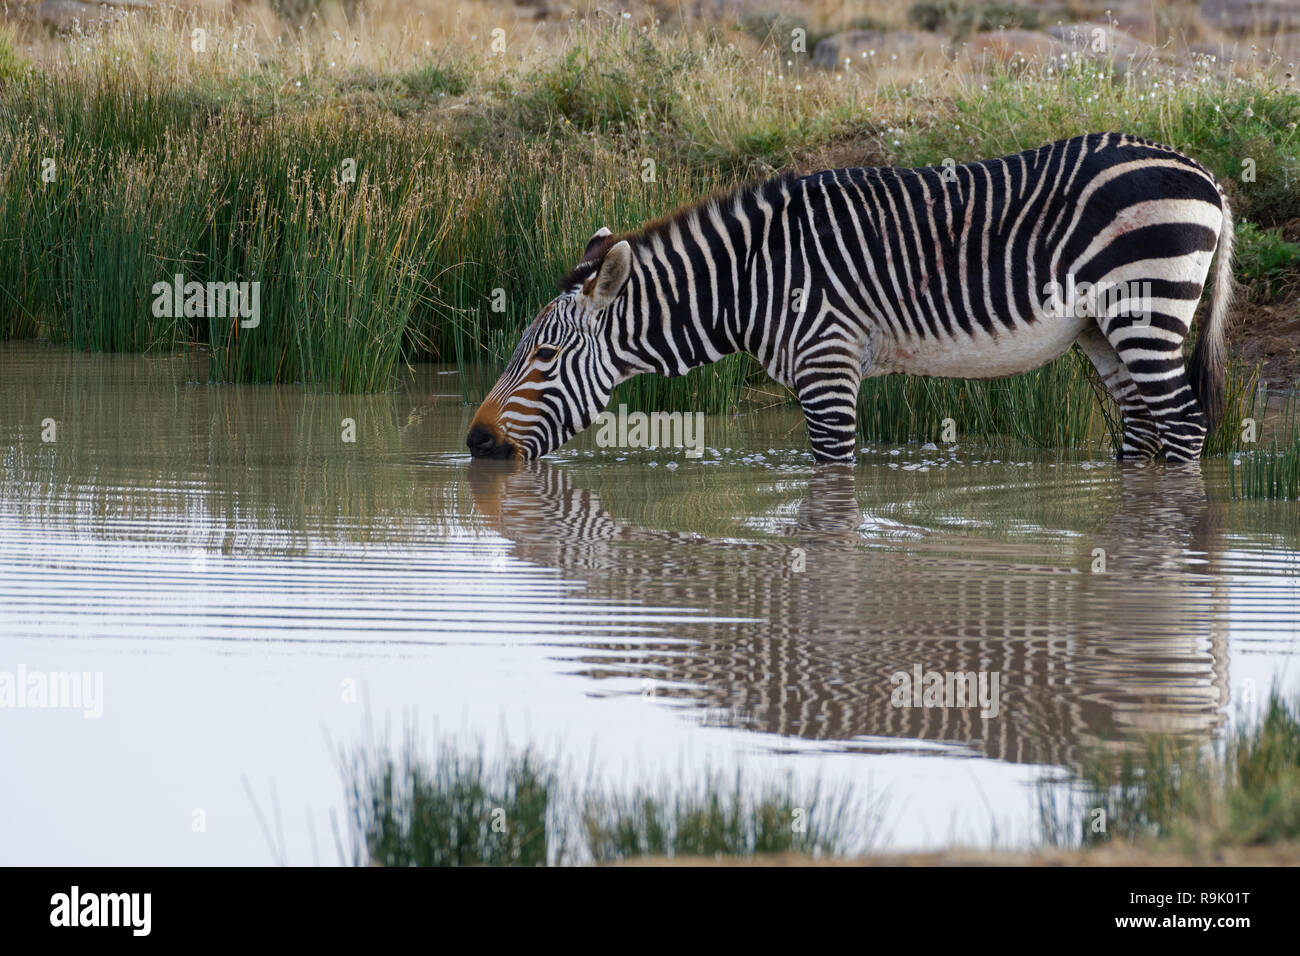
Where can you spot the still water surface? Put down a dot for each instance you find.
(234, 568)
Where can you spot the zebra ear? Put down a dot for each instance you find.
(603, 288)
(583, 274)
(598, 235)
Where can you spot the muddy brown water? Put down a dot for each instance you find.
(252, 588)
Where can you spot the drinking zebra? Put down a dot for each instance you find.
(966, 271)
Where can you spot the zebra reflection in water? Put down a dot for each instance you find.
(1083, 658)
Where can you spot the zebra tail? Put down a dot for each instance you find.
(1209, 367)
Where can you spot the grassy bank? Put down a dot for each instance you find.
(410, 202)
(1158, 796)
(1243, 792)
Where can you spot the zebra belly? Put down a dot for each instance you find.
(980, 355)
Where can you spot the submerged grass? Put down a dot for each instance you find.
(518, 810)
(419, 204)
(1245, 791)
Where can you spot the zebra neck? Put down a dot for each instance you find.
(679, 311)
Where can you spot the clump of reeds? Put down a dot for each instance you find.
(1244, 791)
(715, 816)
(460, 810)
(519, 809)
(1272, 472)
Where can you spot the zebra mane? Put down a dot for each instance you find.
(596, 249)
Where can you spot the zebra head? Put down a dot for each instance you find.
(563, 371)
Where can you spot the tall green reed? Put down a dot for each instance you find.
(1272, 472)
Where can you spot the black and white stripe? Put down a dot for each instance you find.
(848, 273)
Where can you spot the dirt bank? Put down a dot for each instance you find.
(1279, 855)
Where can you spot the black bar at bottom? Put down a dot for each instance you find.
(371, 906)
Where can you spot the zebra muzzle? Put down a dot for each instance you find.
(484, 442)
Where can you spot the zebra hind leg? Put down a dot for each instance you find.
(1153, 355)
(1141, 437)
(829, 398)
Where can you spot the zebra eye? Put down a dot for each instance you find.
(545, 353)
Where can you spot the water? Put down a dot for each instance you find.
(258, 592)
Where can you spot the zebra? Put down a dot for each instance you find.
(952, 271)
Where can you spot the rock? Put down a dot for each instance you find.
(1284, 46)
(1217, 55)
(879, 47)
(65, 14)
(1137, 22)
(1094, 38)
(1095, 41)
(1012, 46)
(1282, 50)
(1251, 16)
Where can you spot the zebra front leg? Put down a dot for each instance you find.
(829, 398)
